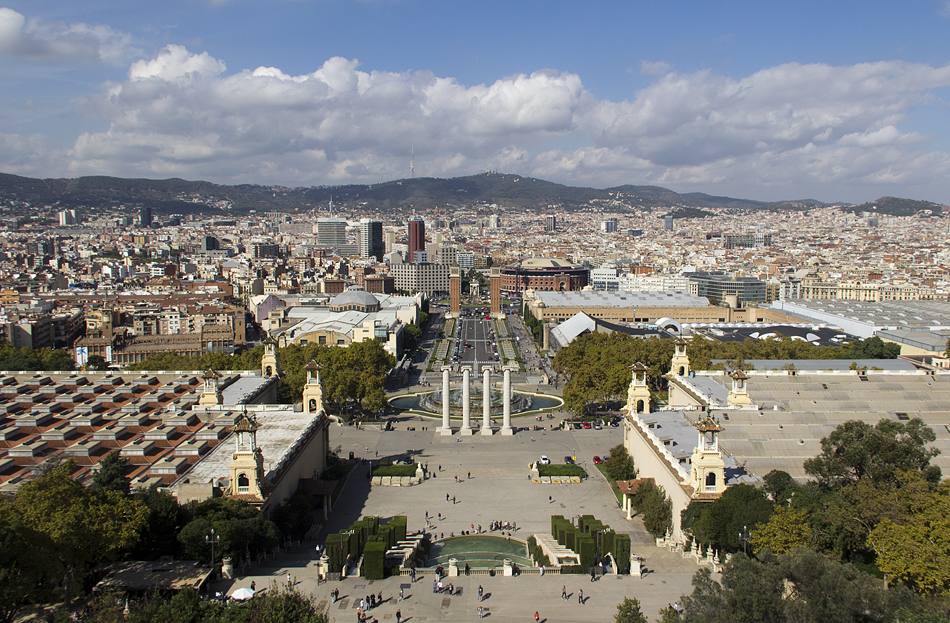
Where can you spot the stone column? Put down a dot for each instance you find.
(466, 401)
(446, 428)
(506, 401)
(486, 402)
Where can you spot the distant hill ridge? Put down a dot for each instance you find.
(505, 189)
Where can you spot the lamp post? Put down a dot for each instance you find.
(213, 538)
(744, 538)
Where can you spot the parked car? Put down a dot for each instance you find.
(597, 426)
(544, 460)
(568, 460)
(597, 460)
(586, 424)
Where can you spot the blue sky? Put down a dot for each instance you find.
(838, 101)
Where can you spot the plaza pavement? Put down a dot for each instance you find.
(499, 489)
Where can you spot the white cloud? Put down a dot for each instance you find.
(787, 131)
(55, 41)
(654, 69)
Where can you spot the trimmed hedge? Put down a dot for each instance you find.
(621, 552)
(333, 550)
(399, 471)
(537, 554)
(374, 560)
(399, 523)
(587, 549)
(574, 570)
(561, 470)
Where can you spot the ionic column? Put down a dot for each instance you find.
(506, 401)
(466, 401)
(486, 401)
(446, 428)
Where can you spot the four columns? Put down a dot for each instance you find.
(466, 429)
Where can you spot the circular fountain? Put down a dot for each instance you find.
(433, 401)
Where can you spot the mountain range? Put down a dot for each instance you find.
(490, 191)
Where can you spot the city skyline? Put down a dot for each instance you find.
(766, 103)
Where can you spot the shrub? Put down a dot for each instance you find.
(561, 470)
(374, 560)
(399, 525)
(587, 549)
(621, 552)
(398, 471)
(574, 570)
(333, 549)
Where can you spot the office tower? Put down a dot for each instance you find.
(668, 223)
(331, 232)
(371, 239)
(417, 238)
(145, 216)
(68, 217)
(608, 226)
(550, 223)
(390, 241)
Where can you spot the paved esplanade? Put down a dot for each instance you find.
(499, 489)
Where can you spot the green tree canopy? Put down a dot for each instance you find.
(741, 507)
(628, 611)
(856, 450)
(84, 525)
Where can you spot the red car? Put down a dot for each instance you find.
(586, 424)
(597, 460)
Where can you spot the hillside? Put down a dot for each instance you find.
(392, 198)
(896, 207)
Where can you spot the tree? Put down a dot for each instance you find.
(740, 508)
(240, 526)
(620, 465)
(656, 509)
(856, 449)
(786, 529)
(26, 561)
(628, 611)
(111, 475)
(84, 525)
(778, 484)
(799, 586)
(916, 550)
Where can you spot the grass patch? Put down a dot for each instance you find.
(561, 470)
(613, 483)
(398, 471)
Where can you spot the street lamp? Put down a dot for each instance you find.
(744, 538)
(213, 538)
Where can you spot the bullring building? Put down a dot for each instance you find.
(544, 274)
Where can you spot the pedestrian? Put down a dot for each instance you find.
(253, 585)
(480, 612)
(550, 499)
(564, 592)
(435, 585)
(453, 499)
(380, 598)
(537, 617)
(470, 475)
(446, 497)
(580, 596)
(480, 592)
(288, 579)
(591, 574)
(398, 616)
(402, 594)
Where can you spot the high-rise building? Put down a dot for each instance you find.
(668, 223)
(145, 216)
(371, 239)
(331, 232)
(68, 217)
(417, 239)
(550, 223)
(608, 226)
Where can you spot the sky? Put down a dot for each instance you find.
(835, 101)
